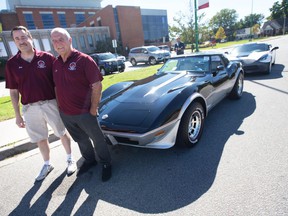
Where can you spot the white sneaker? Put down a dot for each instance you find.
(46, 169)
(72, 167)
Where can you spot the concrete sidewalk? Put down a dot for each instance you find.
(15, 140)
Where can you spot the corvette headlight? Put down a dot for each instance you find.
(265, 58)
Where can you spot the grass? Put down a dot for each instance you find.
(7, 111)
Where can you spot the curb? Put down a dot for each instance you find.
(22, 146)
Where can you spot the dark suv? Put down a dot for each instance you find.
(108, 63)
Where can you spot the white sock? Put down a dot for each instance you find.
(69, 157)
(47, 162)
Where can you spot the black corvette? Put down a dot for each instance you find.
(170, 106)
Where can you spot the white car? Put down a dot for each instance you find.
(254, 56)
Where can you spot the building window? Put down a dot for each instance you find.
(62, 20)
(29, 20)
(80, 17)
(155, 28)
(47, 19)
(82, 42)
(90, 40)
(99, 21)
(74, 42)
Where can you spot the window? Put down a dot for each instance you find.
(80, 17)
(90, 40)
(74, 42)
(47, 19)
(29, 20)
(62, 19)
(82, 42)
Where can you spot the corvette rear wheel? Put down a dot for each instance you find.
(191, 126)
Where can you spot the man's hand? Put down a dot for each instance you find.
(20, 122)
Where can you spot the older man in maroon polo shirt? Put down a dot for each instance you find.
(78, 88)
(29, 74)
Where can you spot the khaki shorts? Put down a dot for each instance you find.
(37, 115)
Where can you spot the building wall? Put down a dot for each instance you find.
(8, 20)
(130, 22)
(69, 13)
(96, 4)
(41, 38)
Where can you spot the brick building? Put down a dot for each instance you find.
(130, 26)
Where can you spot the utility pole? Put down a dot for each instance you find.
(196, 28)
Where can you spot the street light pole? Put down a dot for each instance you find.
(251, 27)
(284, 22)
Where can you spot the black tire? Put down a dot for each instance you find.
(152, 61)
(237, 90)
(191, 126)
(133, 62)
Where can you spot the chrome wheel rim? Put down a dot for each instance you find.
(194, 126)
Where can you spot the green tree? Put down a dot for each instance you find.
(227, 19)
(185, 25)
(220, 34)
(278, 10)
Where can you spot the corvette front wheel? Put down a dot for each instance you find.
(191, 126)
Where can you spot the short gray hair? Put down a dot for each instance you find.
(62, 31)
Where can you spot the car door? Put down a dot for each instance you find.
(220, 79)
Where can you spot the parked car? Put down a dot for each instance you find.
(164, 47)
(148, 54)
(108, 63)
(3, 61)
(118, 56)
(255, 56)
(170, 106)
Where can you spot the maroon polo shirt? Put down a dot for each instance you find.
(73, 80)
(34, 80)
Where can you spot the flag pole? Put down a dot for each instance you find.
(196, 27)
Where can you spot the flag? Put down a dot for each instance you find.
(203, 4)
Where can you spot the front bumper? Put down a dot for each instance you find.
(256, 67)
(161, 138)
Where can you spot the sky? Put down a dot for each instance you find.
(242, 7)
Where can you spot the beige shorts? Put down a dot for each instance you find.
(37, 115)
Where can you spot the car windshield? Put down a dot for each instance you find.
(106, 56)
(189, 63)
(153, 49)
(248, 48)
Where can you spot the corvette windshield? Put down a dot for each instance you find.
(248, 48)
(189, 63)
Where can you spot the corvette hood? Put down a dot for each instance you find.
(248, 57)
(142, 102)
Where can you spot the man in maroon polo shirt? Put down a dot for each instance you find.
(78, 89)
(29, 74)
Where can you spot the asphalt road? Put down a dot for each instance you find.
(240, 166)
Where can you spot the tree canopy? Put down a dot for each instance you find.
(278, 10)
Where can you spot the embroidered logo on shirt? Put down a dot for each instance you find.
(41, 64)
(72, 66)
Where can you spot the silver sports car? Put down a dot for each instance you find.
(255, 57)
